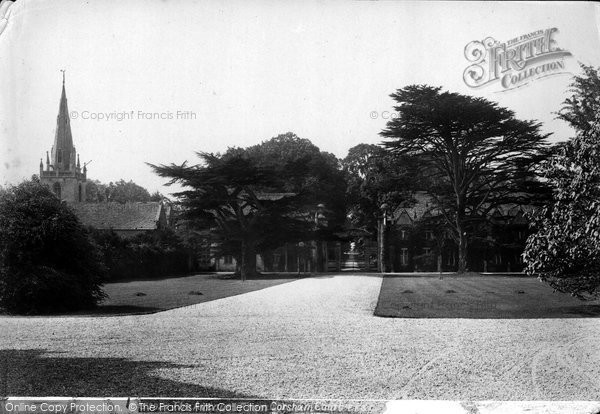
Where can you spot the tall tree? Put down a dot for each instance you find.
(581, 108)
(564, 248)
(245, 202)
(376, 177)
(476, 154)
(308, 170)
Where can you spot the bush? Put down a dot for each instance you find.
(47, 260)
(150, 255)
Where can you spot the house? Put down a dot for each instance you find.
(418, 239)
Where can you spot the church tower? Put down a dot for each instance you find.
(63, 173)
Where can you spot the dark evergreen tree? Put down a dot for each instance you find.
(245, 204)
(475, 155)
(564, 248)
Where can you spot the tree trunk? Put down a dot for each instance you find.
(462, 235)
(462, 252)
(248, 265)
(439, 262)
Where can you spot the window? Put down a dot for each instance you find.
(428, 235)
(59, 156)
(404, 256)
(497, 258)
(427, 251)
(57, 190)
(451, 259)
(403, 234)
(228, 259)
(79, 197)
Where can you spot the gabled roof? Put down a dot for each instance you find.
(415, 210)
(116, 216)
(273, 196)
(422, 206)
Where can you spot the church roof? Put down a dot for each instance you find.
(116, 216)
(63, 139)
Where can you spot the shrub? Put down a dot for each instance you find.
(149, 255)
(47, 260)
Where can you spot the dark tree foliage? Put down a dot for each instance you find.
(581, 108)
(156, 196)
(121, 192)
(564, 249)
(47, 261)
(375, 177)
(147, 255)
(476, 155)
(307, 171)
(95, 191)
(244, 200)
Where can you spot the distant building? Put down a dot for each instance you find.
(63, 172)
(418, 239)
(127, 220)
(64, 175)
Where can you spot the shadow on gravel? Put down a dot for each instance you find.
(34, 372)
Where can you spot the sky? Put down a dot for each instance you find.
(235, 73)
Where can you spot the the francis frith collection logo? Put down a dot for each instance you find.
(514, 63)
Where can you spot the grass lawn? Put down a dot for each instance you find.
(479, 297)
(148, 296)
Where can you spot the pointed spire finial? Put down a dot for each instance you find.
(63, 72)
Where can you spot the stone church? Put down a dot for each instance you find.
(63, 172)
(67, 179)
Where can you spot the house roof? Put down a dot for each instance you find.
(423, 206)
(273, 196)
(116, 216)
(414, 210)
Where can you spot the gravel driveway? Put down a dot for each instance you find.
(315, 338)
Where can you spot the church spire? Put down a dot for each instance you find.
(63, 169)
(63, 152)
